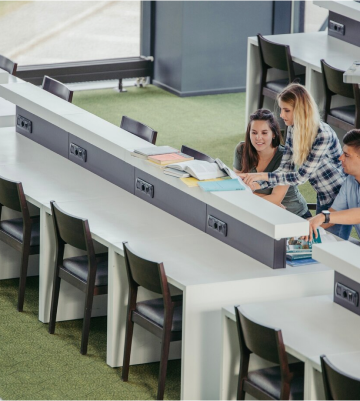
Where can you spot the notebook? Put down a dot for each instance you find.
(223, 185)
(170, 158)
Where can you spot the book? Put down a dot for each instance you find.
(299, 251)
(169, 158)
(200, 169)
(152, 151)
(176, 173)
(194, 182)
(232, 184)
(301, 262)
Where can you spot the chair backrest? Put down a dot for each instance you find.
(8, 65)
(333, 81)
(71, 230)
(138, 129)
(12, 195)
(147, 274)
(196, 154)
(275, 55)
(263, 341)
(338, 385)
(57, 88)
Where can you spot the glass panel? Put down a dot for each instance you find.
(42, 32)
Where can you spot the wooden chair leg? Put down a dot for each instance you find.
(86, 323)
(240, 391)
(165, 347)
(261, 100)
(54, 304)
(23, 275)
(127, 348)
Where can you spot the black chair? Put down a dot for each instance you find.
(282, 382)
(88, 273)
(275, 55)
(161, 316)
(337, 384)
(344, 117)
(22, 234)
(138, 129)
(57, 88)
(196, 154)
(8, 65)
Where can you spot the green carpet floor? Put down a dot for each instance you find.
(37, 365)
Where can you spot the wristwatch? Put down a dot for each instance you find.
(326, 214)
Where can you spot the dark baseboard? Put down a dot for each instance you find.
(198, 93)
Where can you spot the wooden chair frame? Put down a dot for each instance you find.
(89, 288)
(265, 67)
(340, 380)
(196, 154)
(164, 333)
(139, 129)
(246, 386)
(13, 197)
(354, 94)
(8, 65)
(57, 88)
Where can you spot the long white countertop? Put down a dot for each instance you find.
(350, 9)
(309, 48)
(243, 206)
(191, 256)
(342, 256)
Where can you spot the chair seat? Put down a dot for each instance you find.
(280, 84)
(269, 379)
(154, 310)
(344, 113)
(14, 228)
(78, 266)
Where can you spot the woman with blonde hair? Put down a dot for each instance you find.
(312, 152)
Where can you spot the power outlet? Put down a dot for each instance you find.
(336, 27)
(78, 152)
(217, 225)
(24, 123)
(346, 294)
(145, 187)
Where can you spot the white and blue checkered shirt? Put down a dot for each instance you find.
(322, 166)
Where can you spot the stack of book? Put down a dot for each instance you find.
(162, 156)
(299, 251)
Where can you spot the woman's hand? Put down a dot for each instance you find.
(251, 178)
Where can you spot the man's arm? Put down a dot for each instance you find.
(348, 217)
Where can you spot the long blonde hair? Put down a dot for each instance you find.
(306, 119)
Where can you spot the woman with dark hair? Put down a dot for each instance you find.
(262, 152)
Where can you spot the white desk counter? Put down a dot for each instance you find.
(271, 220)
(310, 327)
(208, 272)
(7, 109)
(343, 256)
(306, 49)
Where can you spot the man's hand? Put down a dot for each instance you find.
(314, 223)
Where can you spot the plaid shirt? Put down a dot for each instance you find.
(322, 166)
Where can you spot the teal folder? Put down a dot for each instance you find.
(224, 185)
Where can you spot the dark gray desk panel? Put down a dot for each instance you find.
(343, 297)
(173, 201)
(44, 133)
(246, 239)
(104, 164)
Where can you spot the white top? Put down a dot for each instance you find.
(309, 48)
(349, 9)
(242, 205)
(310, 326)
(342, 256)
(191, 256)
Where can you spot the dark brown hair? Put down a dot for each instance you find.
(352, 138)
(250, 156)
